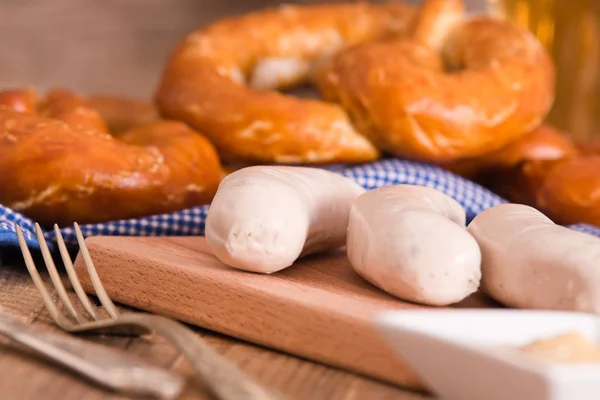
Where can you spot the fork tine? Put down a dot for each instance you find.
(96, 283)
(54, 276)
(66, 258)
(37, 280)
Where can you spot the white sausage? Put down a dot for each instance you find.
(411, 241)
(530, 262)
(263, 218)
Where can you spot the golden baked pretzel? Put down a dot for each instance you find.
(590, 145)
(459, 88)
(543, 143)
(123, 113)
(545, 169)
(219, 81)
(24, 100)
(59, 164)
(566, 189)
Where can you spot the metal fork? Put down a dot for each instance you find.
(107, 367)
(223, 378)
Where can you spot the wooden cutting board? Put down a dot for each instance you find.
(318, 309)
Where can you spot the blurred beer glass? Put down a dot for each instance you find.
(570, 29)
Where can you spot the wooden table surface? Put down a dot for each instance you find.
(22, 376)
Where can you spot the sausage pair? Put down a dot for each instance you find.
(408, 240)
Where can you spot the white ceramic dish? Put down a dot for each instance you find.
(460, 355)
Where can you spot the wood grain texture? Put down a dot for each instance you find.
(24, 377)
(318, 309)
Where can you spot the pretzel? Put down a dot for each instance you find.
(589, 145)
(555, 174)
(545, 169)
(458, 88)
(543, 143)
(503, 171)
(123, 113)
(219, 80)
(59, 164)
(23, 100)
(566, 190)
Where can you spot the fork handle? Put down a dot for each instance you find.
(108, 368)
(220, 375)
(223, 377)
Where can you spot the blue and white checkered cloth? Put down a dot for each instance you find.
(471, 196)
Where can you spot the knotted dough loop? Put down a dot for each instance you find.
(218, 80)
(59, 164)
(565, 189)
(123, 113)
(545, 169)
(542, 144)
(459, 88)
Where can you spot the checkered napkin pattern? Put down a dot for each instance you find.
(471, 196)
